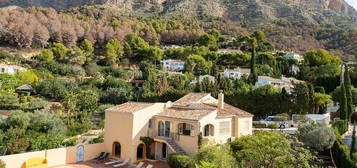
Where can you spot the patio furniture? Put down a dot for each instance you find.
(100, 155)
(122, 164)
(112, 161)
(150, 166)
(140, 165)
(36, 163)
(104, 157)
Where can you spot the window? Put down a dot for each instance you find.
(2, 69)
(224, 127)
(161, 128)
(184, 129)
(150, 123)
(209, 130)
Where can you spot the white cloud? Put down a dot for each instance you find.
(353, 3)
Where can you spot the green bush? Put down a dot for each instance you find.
(273, 126)
(341, 126)
(8, 101)
(341, 155)
(176, 160)
(258, 125)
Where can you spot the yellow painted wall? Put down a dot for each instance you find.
(59, 156)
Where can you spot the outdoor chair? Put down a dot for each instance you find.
(140, 165)
(112, 161)
(122, 164)
(100, 155)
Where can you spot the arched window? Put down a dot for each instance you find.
(116, 151)
(209, 130)
(185, 129)
(161, 128)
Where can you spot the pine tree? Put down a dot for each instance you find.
(347, 83)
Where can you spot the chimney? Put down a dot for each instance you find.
(221, 99)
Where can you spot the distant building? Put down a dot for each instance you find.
(202, 77)
(173, 65)
(236, 73)
(171, 47)
(284, 82)
(228, 51)
(294, 56)
(294, 69)
(10, 68)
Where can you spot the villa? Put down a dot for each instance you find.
(174, 127)
(177, 127)
(173, 65)
(287, 83)
(294, 56)
(236, 73)
(10, 68)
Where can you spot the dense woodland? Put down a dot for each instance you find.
(90, 58)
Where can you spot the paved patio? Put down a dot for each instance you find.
(91, 164)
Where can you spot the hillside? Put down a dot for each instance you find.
(296, 25)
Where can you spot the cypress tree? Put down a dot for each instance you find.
(347, 83)
(353, 143)
(253, 74)
(343, 103)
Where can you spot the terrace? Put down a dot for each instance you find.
(91, 164)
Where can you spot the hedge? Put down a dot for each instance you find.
(176, 160)
(341, 156)
(341, 125)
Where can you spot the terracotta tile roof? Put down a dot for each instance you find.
(191, 112)
(190, 98)
(241, 70)
(229, 110)
(130, 107)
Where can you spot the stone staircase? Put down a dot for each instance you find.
(172, 144)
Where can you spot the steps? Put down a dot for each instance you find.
(172, 144)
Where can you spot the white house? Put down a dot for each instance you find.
(284, 82)
(228, 51)
(294, 56)
(10, 68)
(294, 69)
(173, 65)
(236, 73)
(202, 77)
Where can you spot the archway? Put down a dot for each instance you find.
(209, 130)
(141, 151)
(116, 150)
(80, 153)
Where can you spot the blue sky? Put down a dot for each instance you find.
(352, 3)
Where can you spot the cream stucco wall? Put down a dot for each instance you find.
(59, 156)
(127, 128)
(244, 126)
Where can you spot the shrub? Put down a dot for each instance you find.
(273, 126)
(176, 160)
(341, 126)
(341, 155)
(220, 154)
(8, 101)
(317, 136)
(283, 117)
(259, 125)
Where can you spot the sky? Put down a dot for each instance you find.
(352, 3)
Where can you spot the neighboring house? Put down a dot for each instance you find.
(228, 51)
(284, 82)
(202, 77)
(174, 127)
(173, 65)
(171, 47)
(236, 73)
(10, 68)
(294, 56)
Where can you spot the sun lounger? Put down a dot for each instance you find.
(140, 165)
(104, 157)
(101, 155)
(122, 164)
(149, 166)
(112, 162)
